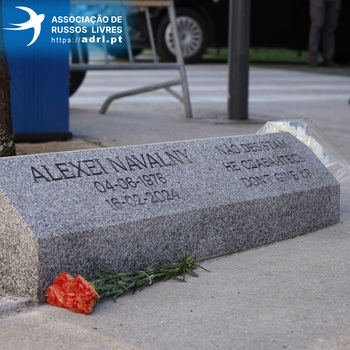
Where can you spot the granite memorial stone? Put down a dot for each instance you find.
(139, 206)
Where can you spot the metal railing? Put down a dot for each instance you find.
(132, 64)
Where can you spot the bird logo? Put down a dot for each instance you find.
(34, 22)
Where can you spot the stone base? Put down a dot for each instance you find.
(141, 206)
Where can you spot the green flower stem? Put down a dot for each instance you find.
(114, 284)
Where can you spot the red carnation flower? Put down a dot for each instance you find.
(75, 294)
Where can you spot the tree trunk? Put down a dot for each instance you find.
(7, 144)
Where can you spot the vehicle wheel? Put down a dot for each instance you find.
(193, 35)
(77, 77)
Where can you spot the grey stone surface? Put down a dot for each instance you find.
(139, 206)
(9, 305)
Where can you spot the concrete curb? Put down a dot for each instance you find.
(10, 305)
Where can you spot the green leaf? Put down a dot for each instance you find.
(178, 279)
(115, 284)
